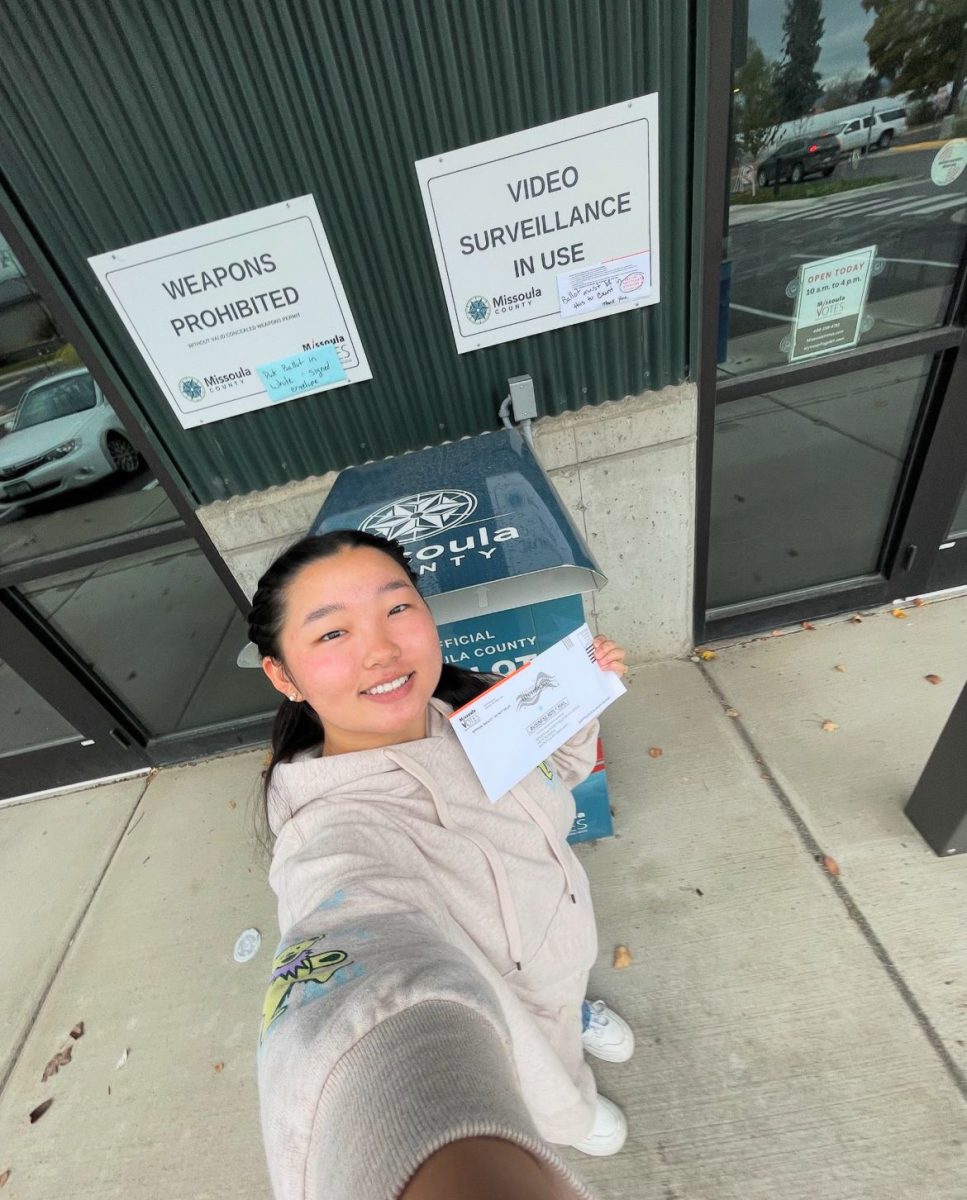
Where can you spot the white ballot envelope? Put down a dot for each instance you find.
(513, 726)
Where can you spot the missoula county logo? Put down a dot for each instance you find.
(413, 518)
(191, 388)
(478, 310)
(418, 518)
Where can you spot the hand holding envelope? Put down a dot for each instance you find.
(523, 719)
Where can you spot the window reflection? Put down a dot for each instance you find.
(845, 133)
(69, 474)
(805, 479)
(170, 647)
(27, 721)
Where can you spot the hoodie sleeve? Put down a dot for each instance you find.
(575, 760)
(380, 1041)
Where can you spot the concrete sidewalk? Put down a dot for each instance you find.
(800, 1034)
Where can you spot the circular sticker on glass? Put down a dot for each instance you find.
(949, 162)
(247, 945)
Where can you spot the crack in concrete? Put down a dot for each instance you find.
(55, 972)
(842, 892)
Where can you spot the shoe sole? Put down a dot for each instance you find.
(612, 1058)
(602, 1151)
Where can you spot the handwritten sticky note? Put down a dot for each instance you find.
(309, 371)
(613, 284)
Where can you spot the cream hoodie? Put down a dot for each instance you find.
(435, 952)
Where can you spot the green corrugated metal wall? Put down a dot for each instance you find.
(124, 120)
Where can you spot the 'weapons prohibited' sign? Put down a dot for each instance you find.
(238, 314)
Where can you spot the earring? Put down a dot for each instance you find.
(292, 697)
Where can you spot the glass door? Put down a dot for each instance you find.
(43, 746)
(118, 638)
(832, 315)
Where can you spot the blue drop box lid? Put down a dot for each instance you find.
(479, 519)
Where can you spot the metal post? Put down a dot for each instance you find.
(938, 806)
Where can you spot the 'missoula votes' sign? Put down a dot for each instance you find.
(547, 227)
(211, 307)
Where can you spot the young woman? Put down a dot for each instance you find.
(426, 1021)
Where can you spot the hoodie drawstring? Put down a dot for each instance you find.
(507, 910)
(540, 818)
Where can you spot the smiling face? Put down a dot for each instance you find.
(359, 645)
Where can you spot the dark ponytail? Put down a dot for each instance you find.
(297, 728)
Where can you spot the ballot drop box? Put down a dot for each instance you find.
(496, 555)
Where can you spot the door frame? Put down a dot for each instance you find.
(935, 467)
(107, 744)
(32, 649)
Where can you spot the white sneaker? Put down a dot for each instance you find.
(608, 1036)
(609, 1132)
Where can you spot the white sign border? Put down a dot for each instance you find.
(192, 418)
(598, 120)
(819, 262)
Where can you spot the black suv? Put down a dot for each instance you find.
(799, 157)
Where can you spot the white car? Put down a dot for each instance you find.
(65, 435)
(872, 132)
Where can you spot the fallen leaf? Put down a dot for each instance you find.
(4, 1177)
(60, 1059)
(776, 633)
(918, 603)
(232, 804)
(218, 1067)
(39, 1111)
(122, 1060)
(807, 625)
(855, 620)
(897, 612)
(829, 865)
(654, 752)
(839, 667)
(622, 958)
(78, 1031)
(267, 758)
(830, 726)
(933, 679)
(707, 655)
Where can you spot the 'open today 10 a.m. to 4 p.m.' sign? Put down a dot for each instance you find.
(547, 227)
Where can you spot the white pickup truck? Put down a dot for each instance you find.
(875, 131)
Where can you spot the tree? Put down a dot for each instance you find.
(921, 45)
(754, 110)
(797, 81)
(869, 88)
(842, 92)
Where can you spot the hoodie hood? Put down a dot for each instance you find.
(310, 777)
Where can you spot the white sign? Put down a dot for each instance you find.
(829, 303)
(209, 306)
(949, 162)
(523, 719)
(608, 285)
(518, 221)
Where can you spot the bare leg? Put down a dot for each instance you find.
(484, 1168)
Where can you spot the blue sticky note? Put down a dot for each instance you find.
(306, 372)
